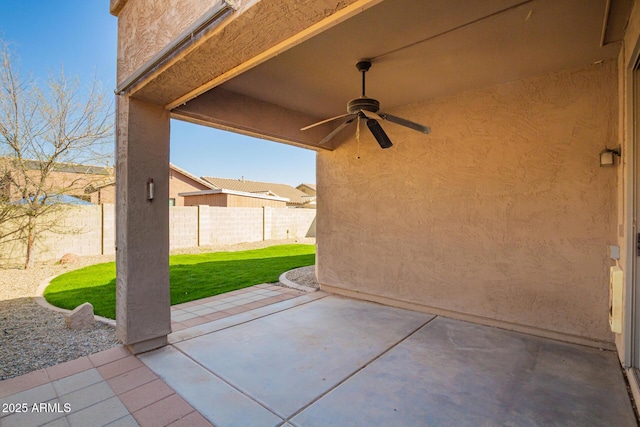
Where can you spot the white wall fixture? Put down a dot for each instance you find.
(606, 156)
(616, 280)
(614, 252)
(150, 189)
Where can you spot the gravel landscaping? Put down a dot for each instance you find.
(33, 337)
(305, 276)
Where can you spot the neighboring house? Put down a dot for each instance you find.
(181, 181)
(233, 199)
(102, 193)
(296, 198)
(309, 189)
(186, 189)
(66, 179)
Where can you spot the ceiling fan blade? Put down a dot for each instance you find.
(378, 133)
(406, 123)
(336, 131)
(326, 121)
(371, 115)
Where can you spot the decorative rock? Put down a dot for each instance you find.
(68, 259)
(81, 317)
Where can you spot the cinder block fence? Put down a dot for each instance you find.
(90, 230)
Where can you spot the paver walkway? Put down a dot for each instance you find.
(115, 388)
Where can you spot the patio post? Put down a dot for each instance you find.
(143, 312)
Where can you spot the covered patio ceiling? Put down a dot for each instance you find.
(419, 49)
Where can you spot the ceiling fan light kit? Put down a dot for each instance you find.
(367, 109)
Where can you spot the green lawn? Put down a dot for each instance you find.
(192, 276)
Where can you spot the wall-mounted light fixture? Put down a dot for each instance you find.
(150, 189)
(606, 156)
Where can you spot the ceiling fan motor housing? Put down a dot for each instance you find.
(363, 103)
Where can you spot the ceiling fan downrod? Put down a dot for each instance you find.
(363, 66)
(356, 106)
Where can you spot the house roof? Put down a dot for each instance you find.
(311, 186)
(91, 188)
(65, 167)
(294, 195)
(181, 171)
(193, 177)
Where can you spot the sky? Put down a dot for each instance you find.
(81, 37)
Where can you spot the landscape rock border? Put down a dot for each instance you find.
(40, 299)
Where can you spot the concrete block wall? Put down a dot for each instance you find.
(267, 222)
(90, 230)
(235, 225)
(204, 225)
(108, 229)
(183, 227)
(76, 230)
(79, 232)
(292, 223)
(11, 252)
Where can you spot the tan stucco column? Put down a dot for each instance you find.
(143, 313)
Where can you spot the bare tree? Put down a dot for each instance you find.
(43, 132)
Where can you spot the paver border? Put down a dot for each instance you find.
(40, 299)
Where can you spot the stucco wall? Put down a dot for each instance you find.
(57, 182)
(232, 201)
(625, 184)
(501, 213)
(106, 194)
(253, 202)
(179, 183)
(147, 26)
(219, 199)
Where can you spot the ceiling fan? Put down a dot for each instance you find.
(367, 109)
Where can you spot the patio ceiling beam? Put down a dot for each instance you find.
(227, 110)
(291, 41)
(195, 31)
(257, 31)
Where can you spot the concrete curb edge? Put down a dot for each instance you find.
(39, 298)
(289, 284)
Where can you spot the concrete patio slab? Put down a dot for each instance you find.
(457, 373)
(337, 361)
(288, 359)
